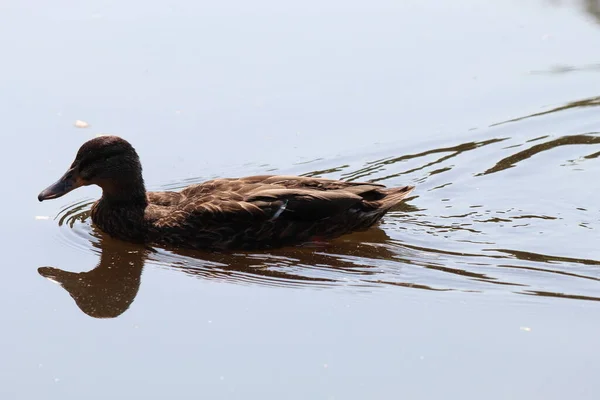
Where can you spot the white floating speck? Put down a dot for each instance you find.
(56, 380)
(81, 124)
(525, 328)
(42, 217)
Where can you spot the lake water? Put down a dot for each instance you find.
(484, 284)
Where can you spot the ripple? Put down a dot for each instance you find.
(341, 263)
(76, 231)
(497, 213)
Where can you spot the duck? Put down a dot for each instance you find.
(246, 213)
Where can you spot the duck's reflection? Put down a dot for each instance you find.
(108, 290)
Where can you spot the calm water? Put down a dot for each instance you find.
(484, 284)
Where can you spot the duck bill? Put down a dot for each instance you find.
(61, 187)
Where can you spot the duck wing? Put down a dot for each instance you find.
(269, 196)
(303, 204)
(266, 209)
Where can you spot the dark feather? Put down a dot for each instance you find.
(252, 212)
(266, 211)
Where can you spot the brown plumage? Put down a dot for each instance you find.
(242, 213)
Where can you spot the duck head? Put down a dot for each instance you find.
(107, 161)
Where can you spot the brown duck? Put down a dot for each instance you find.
(243, 213)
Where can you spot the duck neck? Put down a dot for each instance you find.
(126, 191)
(120, 210)
(128, 195)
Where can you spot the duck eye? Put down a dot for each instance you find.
(83, 165)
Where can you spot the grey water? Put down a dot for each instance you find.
(483, 284)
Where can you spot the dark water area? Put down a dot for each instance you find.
(483, 284)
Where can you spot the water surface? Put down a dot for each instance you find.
(483, 284)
